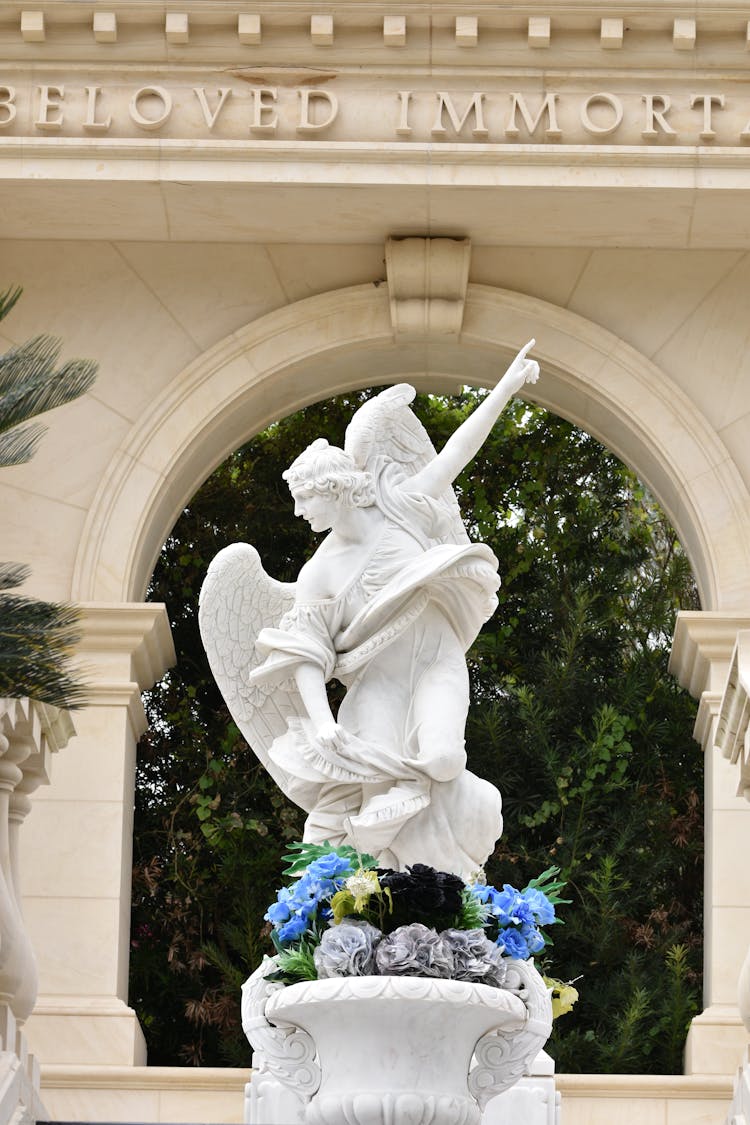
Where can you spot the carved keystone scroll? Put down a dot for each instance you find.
(427, 281)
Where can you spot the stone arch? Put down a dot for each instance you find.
(344, 339)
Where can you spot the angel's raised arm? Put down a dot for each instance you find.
(463, 445)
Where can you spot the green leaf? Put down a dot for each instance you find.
(300, 856)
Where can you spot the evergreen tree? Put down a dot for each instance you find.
(36, 637)
(574, 717)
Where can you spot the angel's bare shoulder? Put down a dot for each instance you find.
(314, 581)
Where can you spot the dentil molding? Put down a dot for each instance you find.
(387, 26)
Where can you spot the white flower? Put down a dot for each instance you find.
(414, 951)
(347, 950)
(475, 957)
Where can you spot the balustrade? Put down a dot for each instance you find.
(29, 734)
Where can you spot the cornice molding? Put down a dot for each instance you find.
(163, 152)
(180, 30)
(44, 724)
(67, 1076)
(138, 630)
(670, 1086)
(702, 648)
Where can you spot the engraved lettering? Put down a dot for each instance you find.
(445, 102)
(548, 106)
(532, 116)
(7, 105)
(306, 99)
(258, 125)
(150, 92)
(211, 116)
(656, 115)
(91, 125)
(48, 104)
(708, 101)
(404, 128)
(601, 99)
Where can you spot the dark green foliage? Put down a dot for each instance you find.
(296, 964)
(36, 638)
(574, 717)
(472, 916)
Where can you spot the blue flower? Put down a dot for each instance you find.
(280, 910)
(306, 888)
(503, 905)
(293, 929)
(514, 944)
(534, 941)
(523, 915)
(543, 909)
(329, 866)
(481, 891)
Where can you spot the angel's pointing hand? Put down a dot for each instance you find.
(521, 370)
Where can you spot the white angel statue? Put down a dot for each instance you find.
(387, 605)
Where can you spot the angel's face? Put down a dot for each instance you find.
(319, 510)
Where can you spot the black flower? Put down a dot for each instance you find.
(422, 894)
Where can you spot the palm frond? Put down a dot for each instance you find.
(8, 300)
(36, 639)
(18, 445)
(30, 385)
(13, 575)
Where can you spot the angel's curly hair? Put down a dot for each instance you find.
(330, 471)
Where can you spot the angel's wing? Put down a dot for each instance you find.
(385, 431)
(386, 426)
(237, 600)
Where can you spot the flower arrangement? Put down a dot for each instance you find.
(344, 916)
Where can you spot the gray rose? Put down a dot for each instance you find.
(414, 951)
(347, 950)
(475, 957)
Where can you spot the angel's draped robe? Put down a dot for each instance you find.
(396, 638)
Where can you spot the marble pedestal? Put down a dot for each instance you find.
(396, 1050)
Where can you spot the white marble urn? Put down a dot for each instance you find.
(385, 1050)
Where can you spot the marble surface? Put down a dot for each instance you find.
(388, 604)
(161, 256)
(387, 1049)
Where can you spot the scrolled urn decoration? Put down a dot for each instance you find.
(397, 1049)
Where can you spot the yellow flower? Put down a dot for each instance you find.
(354, 895)
(362, 884)
(564, 996)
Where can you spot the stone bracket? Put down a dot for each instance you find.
(427, 283)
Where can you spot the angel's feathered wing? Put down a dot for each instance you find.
(385, 431)
(237, 600)
(386, 426)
